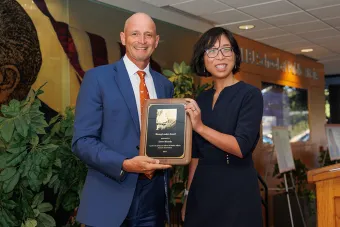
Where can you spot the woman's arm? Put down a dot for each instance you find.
(192, 168)
(225, 142)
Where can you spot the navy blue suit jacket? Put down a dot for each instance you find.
(106, 132)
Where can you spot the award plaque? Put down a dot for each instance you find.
(166, 131)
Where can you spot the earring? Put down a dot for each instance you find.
(204, 69)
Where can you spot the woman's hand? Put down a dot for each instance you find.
(195, 114)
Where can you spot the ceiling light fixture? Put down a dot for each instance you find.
(246, 27)
(306, 50)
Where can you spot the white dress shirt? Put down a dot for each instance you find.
(135, 80)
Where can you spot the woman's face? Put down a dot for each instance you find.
(219, 60)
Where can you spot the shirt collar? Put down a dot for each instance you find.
(132, 68)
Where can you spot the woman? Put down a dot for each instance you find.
(222, 183)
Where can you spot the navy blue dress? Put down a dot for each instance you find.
(225, 191)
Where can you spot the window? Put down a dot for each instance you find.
(285, 106)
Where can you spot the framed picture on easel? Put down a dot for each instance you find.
(283, 149)
(333, 139)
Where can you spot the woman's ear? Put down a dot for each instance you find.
(9, 80)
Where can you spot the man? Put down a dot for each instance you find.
(107, 133)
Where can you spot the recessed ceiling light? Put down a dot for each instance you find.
(246, 26)
(306, 50)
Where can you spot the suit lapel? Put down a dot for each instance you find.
(158, 85)
(125, 87)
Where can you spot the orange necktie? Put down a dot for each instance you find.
(143, 90)
(143, 94)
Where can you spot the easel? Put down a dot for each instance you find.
(287, 190)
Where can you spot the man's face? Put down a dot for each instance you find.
(140, 39)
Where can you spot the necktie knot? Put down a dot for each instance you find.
(141, 74)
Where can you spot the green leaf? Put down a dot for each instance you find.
(33, 178)
(70, 201)
(2, 145)
(46, 139)
(48, 176)
(177, 68)
(39, 121)
(26, 165)
(3, 222)
(9, 204)
(54, 119)
(21, 125)
(7, 196)
(52, 181)
(168, 73)
(183, 67)
(15, 159)
(15, 149)
(45, 207)
(69, 131)
(12, 110)
(4, 156)
(7, 173)
(34, 140)
(31, 223)
(26, 208)
(36, 212)
(39, 92)
(9, 218)
(57, 162)
(56, 186)
(56, 128)
(7, 129)
(9, 185)
(40, 130)
(46, 220)
(49, 147)
(37, 200)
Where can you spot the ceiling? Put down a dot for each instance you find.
(290, 25)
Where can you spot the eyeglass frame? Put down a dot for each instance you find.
(219, 50)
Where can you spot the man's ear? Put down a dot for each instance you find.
(9, 80)
(122, 38)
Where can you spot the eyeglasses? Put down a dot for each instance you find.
(213, 52)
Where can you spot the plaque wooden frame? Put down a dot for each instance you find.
(183, 159)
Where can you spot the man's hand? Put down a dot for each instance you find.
(143, 164)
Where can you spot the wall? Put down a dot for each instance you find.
(83, 17)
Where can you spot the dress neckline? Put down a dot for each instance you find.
(212, 107)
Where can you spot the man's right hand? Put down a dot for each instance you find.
(143, 164)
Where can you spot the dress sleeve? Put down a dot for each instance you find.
(249, 121)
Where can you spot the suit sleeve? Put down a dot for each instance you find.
(86, 143)
(249, 121)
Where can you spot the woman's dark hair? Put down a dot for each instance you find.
(206, 41)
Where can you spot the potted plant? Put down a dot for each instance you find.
(36, 165)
